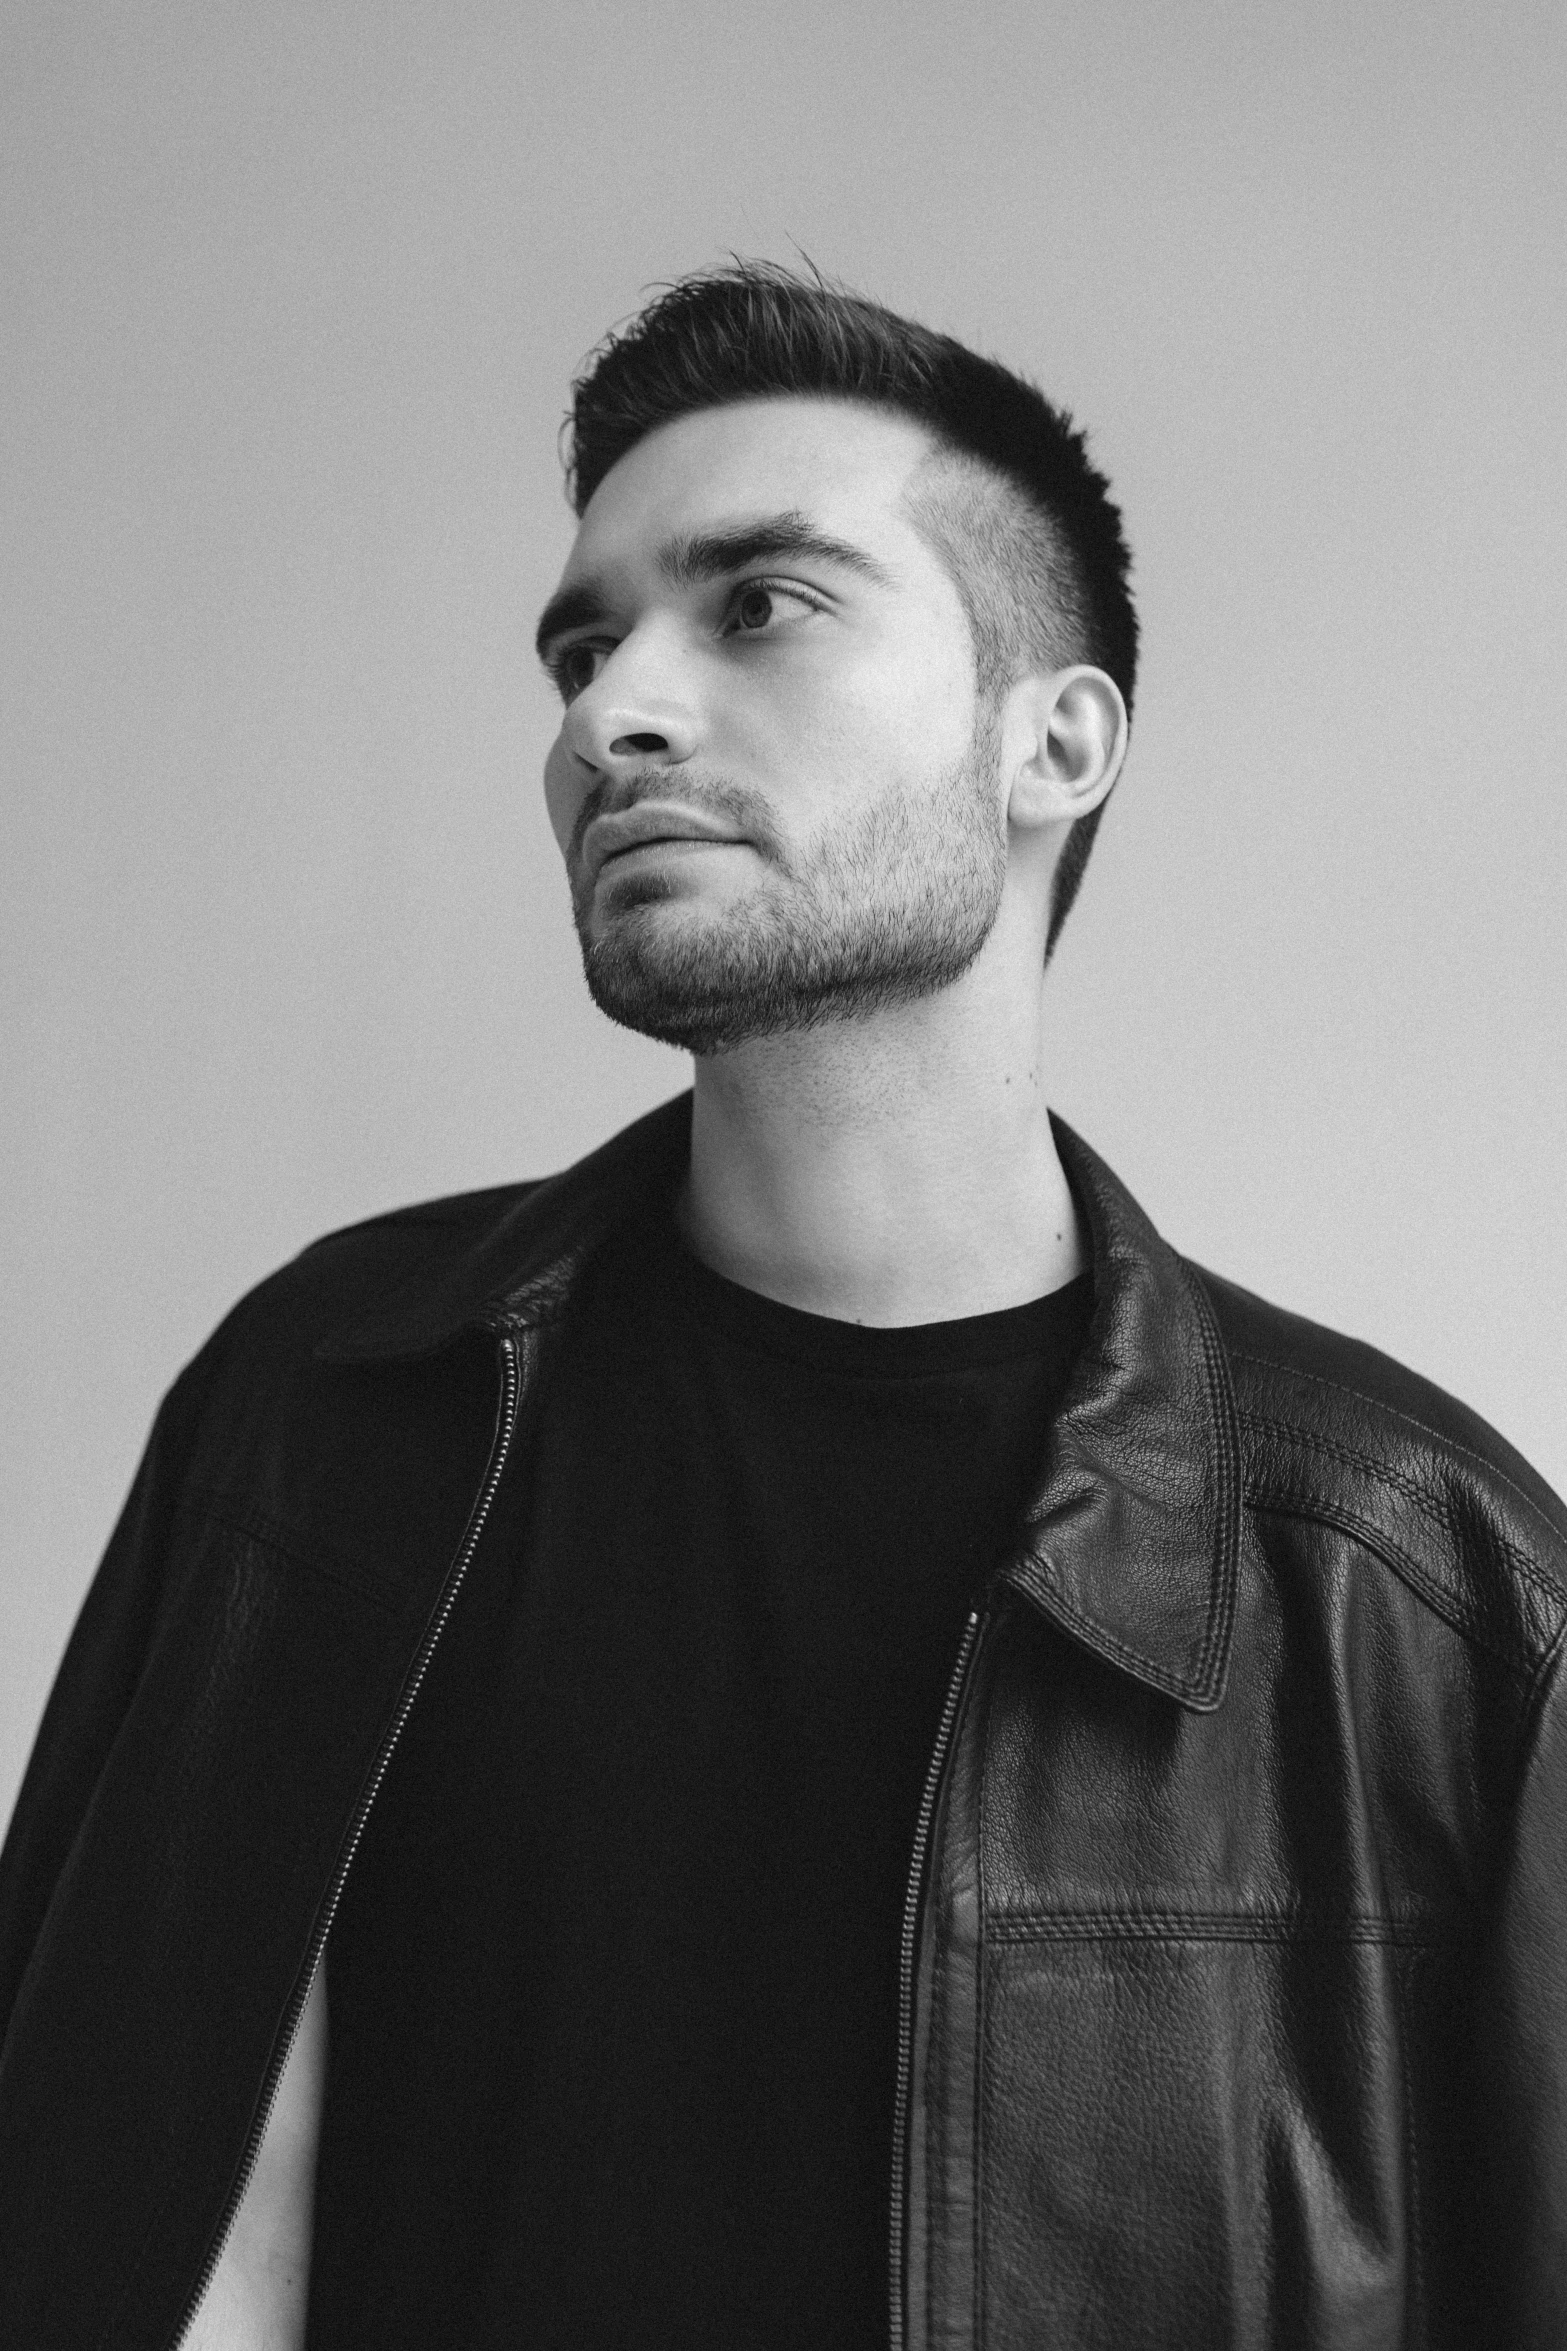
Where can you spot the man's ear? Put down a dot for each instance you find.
(1064, 741)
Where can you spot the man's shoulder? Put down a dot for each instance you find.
(1333, 1430)
(402, 1283)
(348, 1271)
(450, 1219)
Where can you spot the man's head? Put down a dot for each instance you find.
(820, 548)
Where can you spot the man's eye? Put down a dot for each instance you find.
(760, 602)
(575, 667)
(754, 607)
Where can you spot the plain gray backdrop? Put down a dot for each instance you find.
(292, 295)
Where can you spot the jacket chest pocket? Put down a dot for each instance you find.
(1195, 2132)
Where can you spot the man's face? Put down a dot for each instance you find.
(778, 800)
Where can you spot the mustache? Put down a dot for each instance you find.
(680, 788)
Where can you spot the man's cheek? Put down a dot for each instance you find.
(563, 796)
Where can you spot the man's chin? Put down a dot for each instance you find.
(671, 999)
(708, 1004)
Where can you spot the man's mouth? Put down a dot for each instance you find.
(653, 824)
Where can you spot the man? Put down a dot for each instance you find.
(802, 1735)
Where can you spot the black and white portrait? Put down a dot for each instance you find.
(785, 1359)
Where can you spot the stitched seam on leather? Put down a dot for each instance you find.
(210, 1506)
(1534, 1704)
(983, 2032)
(1436, 1596)
(1207, 1926)
(1414, 2246)
(1418, 1494)
(938, 1975)
(981, 2051)
(1105, 1643)
(1396, 1411)
(217, 1506)
(1215, 1599)
(938, 1985)
(1222, 1600)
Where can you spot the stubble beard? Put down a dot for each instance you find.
(893, 908)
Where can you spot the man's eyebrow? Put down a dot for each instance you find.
(772, 538)
(711, 555)
(568, 608)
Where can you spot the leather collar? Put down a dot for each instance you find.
(1132, 1541)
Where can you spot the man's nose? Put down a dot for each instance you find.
(632, 715)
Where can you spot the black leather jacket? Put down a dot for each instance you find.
(1236, 1954)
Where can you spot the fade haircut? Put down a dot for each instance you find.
(1009, 501)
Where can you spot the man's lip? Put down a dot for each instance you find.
(636, 828)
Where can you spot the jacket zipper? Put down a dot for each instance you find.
(911, 1920)
(516, 1348)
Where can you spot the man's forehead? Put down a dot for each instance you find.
(842, 463)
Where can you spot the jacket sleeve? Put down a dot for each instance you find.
(1520, 2078)
(92, 1692)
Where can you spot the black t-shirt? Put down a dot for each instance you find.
(614, 1984)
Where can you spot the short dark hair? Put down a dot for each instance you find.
(1045, 570)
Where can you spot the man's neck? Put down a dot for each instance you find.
(895, 1170)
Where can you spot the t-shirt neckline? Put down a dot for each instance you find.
(902, 1350)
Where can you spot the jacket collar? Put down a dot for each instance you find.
(522, 1269)
(1131, 1541)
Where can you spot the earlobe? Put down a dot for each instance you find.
(1070, 743)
